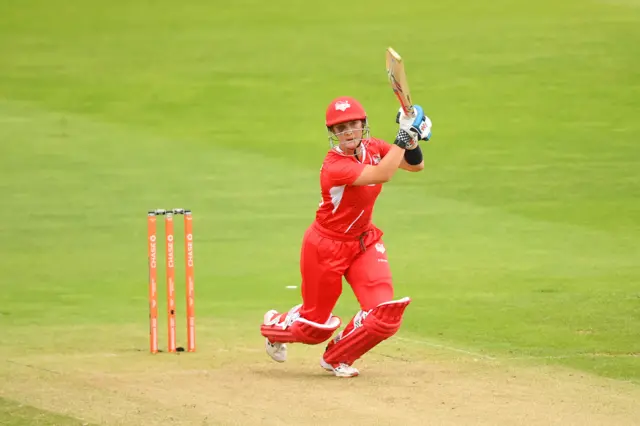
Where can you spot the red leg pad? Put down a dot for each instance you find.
(366, 331)
(291, 328)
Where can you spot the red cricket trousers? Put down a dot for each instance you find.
(326, 256)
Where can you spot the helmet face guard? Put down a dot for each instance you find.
(342, 110)
(334, 139)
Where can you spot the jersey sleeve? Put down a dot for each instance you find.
(343, 172)
(382, 146)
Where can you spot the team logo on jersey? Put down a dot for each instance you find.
(376, 158)
(342, 106)
(380, 247)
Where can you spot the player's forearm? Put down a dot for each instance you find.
(390, 163)
(382, 172)
(388, 166)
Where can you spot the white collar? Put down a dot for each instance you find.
(364, 152)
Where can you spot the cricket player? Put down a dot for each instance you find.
(343, 242)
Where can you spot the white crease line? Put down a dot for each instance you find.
(569, 356)
(532, 357)
(448, 348)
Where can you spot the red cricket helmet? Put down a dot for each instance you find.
(344, 109)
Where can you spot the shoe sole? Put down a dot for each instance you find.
(270, 356)
(330, 369)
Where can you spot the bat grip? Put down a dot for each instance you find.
(409, 111)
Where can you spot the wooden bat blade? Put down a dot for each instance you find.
(398, 80)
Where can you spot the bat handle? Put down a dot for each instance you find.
(409, 111)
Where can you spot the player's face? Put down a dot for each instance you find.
(349, 135)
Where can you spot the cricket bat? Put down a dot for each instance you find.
(398, 81)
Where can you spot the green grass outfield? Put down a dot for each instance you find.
(520, 240)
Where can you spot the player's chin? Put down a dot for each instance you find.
(351, 144)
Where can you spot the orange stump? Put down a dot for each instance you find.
(153, 283)
(171, 287)
(190, 291)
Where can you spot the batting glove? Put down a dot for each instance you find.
(404, 140)
(418, 126)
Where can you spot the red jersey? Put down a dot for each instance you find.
(345, 208)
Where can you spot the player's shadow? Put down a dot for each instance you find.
(293, 373)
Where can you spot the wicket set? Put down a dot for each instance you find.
(170, 277)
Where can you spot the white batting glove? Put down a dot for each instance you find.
(418, 126)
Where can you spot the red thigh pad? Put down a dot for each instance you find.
(370, 277)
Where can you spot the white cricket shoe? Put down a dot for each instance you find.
(277, 351)
(339, 370)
